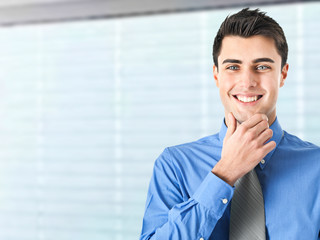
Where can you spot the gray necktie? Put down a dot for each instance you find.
(247, 219)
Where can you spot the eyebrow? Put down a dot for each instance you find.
(263, 60)
(231, 61)
(254, 61)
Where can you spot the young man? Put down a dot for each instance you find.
(193, 186)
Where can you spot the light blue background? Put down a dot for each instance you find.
(86, 107)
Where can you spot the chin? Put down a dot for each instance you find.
(243, 117)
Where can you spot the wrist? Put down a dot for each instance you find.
(224, 174)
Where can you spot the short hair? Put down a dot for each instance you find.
(247, 23)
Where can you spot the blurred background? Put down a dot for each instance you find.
(91, 92)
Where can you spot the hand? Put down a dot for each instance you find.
(243, 147)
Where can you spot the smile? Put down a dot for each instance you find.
(247, 99)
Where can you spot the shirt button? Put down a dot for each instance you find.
(224, 201)
(263, 161)
(201, 239)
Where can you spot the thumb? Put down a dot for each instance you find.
(232, 125)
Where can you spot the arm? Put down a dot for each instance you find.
(169, 216)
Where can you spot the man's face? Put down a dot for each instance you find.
(249, 76)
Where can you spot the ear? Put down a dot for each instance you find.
(215, 75)
(284, 74)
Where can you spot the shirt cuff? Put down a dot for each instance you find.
(214, 193)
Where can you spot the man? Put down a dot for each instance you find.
(193, 186)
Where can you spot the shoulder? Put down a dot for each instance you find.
(298, 146)
(195, 147)
(298, 142)
(199, 150)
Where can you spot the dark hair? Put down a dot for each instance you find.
(247, 23)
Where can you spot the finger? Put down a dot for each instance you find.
(265, 136)
(231, 125)
(254, 120)
(268, 148)
(259, 128)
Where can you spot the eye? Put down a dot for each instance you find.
(262, 67)
(232, 67)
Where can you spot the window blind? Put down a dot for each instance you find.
(86, 107)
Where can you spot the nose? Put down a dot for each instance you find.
(248, 79)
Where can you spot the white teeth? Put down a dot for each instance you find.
(247, 99)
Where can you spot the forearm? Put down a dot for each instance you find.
(192, 219)
(188, 220)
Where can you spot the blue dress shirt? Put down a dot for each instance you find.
(187, 201)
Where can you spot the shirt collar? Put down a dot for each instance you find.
(277, 136)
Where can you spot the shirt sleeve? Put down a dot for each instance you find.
(168, 216)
